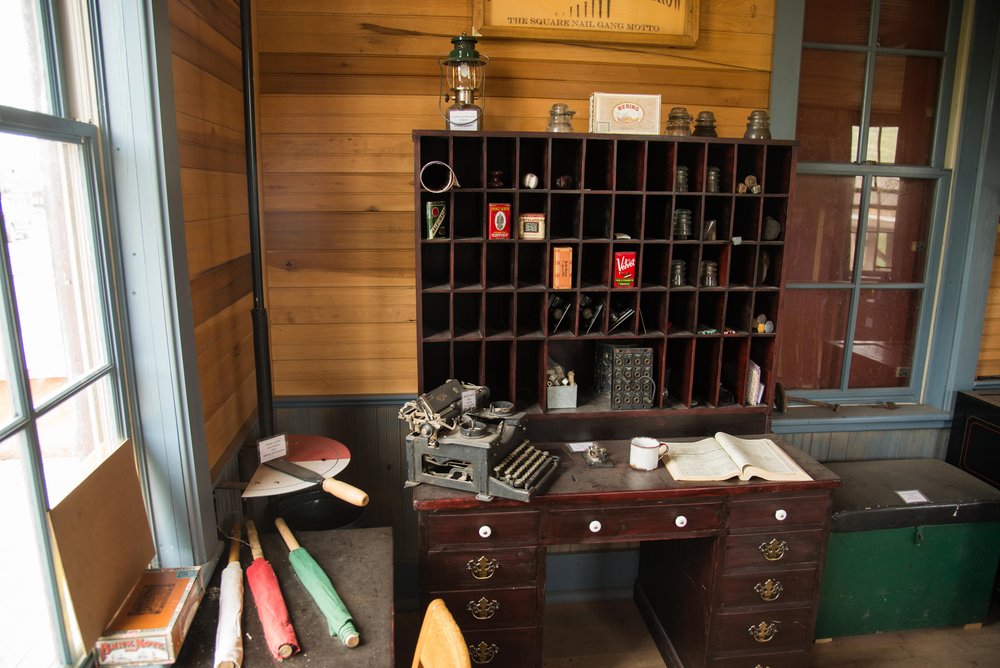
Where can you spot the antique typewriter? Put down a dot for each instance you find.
(457, 440)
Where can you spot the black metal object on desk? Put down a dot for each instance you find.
(358, 561)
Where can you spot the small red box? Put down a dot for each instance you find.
(500, 221)
(625, 269)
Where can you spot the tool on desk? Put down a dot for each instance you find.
(228, 635)
(278, 631)
(309, 459)
(317, 583)
(782, 400)
(481, 450)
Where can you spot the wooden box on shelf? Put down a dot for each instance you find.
(700, 279)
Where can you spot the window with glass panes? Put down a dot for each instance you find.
(62, 389)
(869, 191)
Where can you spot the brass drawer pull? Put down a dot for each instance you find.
(774, 549)
(483, 608)
(482, 568)
(763, 632)
(483, 653)
(769, 590)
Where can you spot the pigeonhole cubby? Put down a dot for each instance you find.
(914, 543)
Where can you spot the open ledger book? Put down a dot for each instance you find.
(726, 456)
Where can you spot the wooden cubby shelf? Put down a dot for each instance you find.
(487, 312)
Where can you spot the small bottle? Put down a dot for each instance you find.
(681, 182)
(560, 118)
(678, 273)
(709, 274)
(682, 224)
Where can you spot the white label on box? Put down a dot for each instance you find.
(463, 119)
(468, 400)
(272, 448)
(912, 496)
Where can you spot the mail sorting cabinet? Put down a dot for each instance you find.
(489, 312)
(728, 573)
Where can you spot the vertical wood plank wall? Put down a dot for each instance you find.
(343, 84)
(989, 346)
(208, 93)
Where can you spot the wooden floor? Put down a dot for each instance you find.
(611, 634)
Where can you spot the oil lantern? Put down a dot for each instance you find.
(464, 70)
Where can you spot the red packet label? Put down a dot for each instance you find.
(500, 221)
(624, 269)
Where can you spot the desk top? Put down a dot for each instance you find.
(577, 483)
(359, 563)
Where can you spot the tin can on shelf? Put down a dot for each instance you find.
(499, 221)
(531, 226)
(435, 217)
(624, 269)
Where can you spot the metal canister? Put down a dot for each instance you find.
(678, 273)
(682, 224)
(709, 274)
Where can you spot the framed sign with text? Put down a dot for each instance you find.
(660, 22)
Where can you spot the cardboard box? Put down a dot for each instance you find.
(152, 623)
(622, 113)
(562, 267)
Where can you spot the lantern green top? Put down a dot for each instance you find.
(464, 50)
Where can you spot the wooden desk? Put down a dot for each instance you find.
(359, 563)
(749, 563)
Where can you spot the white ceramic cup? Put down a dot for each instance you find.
(644, 453)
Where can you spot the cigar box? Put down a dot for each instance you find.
(562, 267)
(625, 113)
(152, 623)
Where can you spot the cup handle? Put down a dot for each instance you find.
(663, 449)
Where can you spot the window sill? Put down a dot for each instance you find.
(804, 419)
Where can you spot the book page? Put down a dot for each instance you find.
(700, 460)
(761, 454)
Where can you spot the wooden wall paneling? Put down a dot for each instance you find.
(341, 88)
(207, 78)
(989, 345)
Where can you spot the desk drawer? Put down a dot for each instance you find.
(502, 648)
(490, 608)
(773, 549)
(458, 529)
(761, 630)
(777, 512)
(479, 568)
(769, 588)
(600, 524)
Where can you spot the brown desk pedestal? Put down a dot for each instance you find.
(359, 563)
(728, 572)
